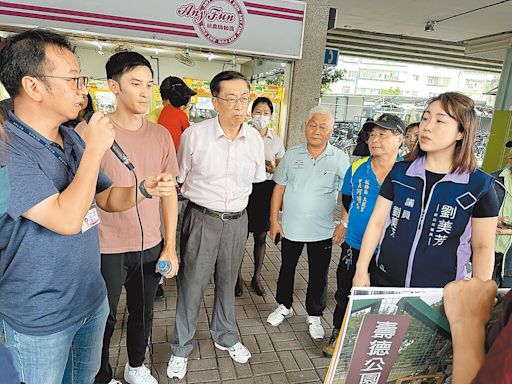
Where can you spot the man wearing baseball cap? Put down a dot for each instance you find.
(360, 190)
(175, 95)
(386, 121)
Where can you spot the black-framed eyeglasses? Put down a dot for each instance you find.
(80, 81)
(232, 101)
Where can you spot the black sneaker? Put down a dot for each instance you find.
(328, 348)
(159, 292)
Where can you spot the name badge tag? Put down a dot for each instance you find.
(91, 219)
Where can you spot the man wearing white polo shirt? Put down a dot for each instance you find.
(307, 181)
(219, 160)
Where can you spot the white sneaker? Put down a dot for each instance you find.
(238, 352)
(177, 367)
(316, 331)
(138, 375)
(279, 314)
(114, 381)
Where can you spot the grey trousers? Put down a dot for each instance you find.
(208, 243)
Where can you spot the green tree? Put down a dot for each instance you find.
(330, 75)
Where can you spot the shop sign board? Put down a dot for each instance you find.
(263, 27)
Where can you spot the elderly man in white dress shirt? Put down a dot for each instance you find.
(219, 160)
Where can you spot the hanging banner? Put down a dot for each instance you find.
(249, 27)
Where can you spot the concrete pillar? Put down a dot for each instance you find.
(307, 72)
(501, 127)
(504, 94)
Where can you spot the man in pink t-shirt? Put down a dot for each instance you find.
(150, 148)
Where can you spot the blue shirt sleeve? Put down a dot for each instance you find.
(29, 185)
(103, 182)
(281, 173)
(346, 188)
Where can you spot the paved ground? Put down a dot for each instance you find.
(285, 354)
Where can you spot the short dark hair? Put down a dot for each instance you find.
(176, 91)
(224, 76)
(411, 126)
(24, 55)
(178, 100)
(122, 62)
(264, 100)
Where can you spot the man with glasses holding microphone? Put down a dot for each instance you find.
(53, 303)
(219, 159)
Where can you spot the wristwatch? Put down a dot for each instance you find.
(142, 189)
(344, 223)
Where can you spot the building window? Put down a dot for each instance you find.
(368, 91)
(475, 84)
(377, 74)
(350, 59)
(352, 75)
(438, 81)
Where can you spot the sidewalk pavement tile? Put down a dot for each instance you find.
(283, 354)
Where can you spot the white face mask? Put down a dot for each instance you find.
(260, 122)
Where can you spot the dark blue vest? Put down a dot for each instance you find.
(431, 246)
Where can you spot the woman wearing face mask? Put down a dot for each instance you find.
(258, 209)
(436, 212)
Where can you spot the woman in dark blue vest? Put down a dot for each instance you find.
(435, 212)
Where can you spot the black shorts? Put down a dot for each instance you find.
(258, 209)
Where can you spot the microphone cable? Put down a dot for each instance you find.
(149, 340)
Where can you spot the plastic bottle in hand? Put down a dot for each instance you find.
(163, 267)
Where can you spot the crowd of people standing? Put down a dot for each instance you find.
(71, 215)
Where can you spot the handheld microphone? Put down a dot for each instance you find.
(114, 148)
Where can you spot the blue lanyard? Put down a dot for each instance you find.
(49, 147)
